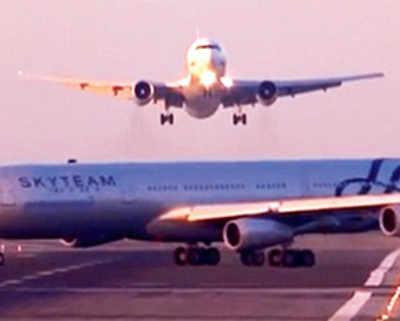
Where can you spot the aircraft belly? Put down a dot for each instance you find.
(55, 219)
(201, 105)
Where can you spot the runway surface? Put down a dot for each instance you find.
(133, 280)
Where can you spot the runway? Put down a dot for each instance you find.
(134, 280)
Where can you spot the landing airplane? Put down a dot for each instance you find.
(206, 87)
(249, 206)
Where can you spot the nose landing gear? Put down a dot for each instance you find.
(239, 118)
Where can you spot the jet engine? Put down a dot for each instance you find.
(143, 92)
(250, 233)
(267, 93)
(389, 220)
(88, 241)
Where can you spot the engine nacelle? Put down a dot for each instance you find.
(143, 92)
(88, 241)
(267, 93)
(251, 233)
(389, 220)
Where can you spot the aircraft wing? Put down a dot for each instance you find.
(246, 91)
(117, 89)
(280, 207)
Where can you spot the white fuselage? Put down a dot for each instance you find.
(206, 82)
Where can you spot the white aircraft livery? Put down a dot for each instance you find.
(249, 206)
(206, 88)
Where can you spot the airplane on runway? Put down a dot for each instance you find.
(206, 88)
(249, 206)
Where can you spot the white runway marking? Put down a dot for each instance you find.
(47, 273)
(377, 275)
(172, 290)
(10, 282)
(350, 309)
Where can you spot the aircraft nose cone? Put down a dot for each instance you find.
(217, 63)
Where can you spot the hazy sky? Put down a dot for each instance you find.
(129, 40)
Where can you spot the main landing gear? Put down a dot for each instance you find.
(239, 118)
(197, 256)
(291, 258)
(279, 258)
(2, 259)
(167, 118)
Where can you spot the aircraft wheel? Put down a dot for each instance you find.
(245, 258)
(235, 119)
(2, 259)
(162, 119)
(258, 258)
(290, 258)
(308, 258)
(252, 258)
(180, 256)
(275, 257)
(213, 257)
(194, 256)
(244, 119)
(171, 119)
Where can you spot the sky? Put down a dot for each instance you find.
(264, 40)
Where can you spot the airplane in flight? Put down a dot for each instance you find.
(206, 88)
(249, 206)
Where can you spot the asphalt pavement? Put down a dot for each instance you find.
(128, 280)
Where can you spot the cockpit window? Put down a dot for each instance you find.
(216, 47)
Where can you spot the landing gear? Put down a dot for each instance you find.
(239, 118)
(2, 259)
(291, 258)
(167, 118)
(252, 258)
(180, 256)
(197, 256)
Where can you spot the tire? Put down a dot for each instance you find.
(235, 119)
(162, 119)
(244, 119)
(258, 258)
(2, 259)
(275, 258)
(171, 119)
(245, 258)
(213, 256)
(194, 257)
(180, 256)
(290, 258)
(307, 258)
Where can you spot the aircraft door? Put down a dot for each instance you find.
(7, 197)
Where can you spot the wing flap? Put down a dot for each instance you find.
(295, 87)
(283, 207)
(245, 91)
(118, 89)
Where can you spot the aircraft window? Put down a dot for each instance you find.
(271, 186)
(211, 187)
(216, 47)
(162, 188)
(324, 185)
